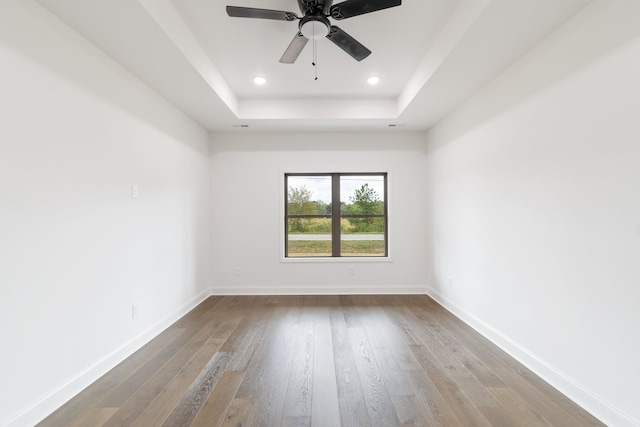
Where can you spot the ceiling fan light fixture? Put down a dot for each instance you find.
(314, 28)
(373, 80)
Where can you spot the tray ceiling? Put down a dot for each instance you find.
(429, 55)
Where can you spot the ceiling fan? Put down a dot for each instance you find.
(314, 23)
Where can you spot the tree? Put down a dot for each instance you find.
(299, 199)
(365, 201)
(299, 203)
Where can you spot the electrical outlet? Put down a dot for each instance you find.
(352, 270)
(134, 311)
(135, 192)
(236, 271)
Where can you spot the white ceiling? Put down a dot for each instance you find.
(431, 55)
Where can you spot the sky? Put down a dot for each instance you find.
(320, 186)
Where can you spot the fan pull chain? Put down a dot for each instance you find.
(315, 54)
(315, 59)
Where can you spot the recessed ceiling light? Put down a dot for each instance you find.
(259, 80)
(373, 80)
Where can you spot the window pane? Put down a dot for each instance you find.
(362, 244)
(365, 225)
(309, 195)
(362, 194)
(309, 237)
(363, 237)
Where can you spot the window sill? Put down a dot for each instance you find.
(336, 260)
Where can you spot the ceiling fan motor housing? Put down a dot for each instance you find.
(311, 7)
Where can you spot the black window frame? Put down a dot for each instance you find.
(336, 232)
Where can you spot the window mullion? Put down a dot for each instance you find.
(386, 217)
(286, 215)
(335, 213)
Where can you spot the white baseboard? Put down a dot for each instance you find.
(589, 401)
(325, 290)
(48, 403)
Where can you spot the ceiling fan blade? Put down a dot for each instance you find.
(251, 12)
(347, 43)
(295, 47)
(349, 8)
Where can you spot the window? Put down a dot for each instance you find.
(336, 215)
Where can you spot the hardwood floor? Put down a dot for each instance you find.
(320, 361)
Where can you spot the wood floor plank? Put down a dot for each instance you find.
(267, 377)
(471, 375)
(325, 408)
(353, 408)
(400, 317)
(187, 320)
(485, 375)
(462, 390)
(513, 404)
(409, 411)
(95, 417)
(347, 379)
(379, 404)
(394, 378)
(353, 412)
(193, 400)
(216, 406)
(349, 311)
(460, 403)
(397, 341)
(433, 405)
(549, 409)
(297, 410)
(273, 355)
(445, 359)
(240, 413)
(242, 343)
(157, 411)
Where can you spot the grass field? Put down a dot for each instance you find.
(301, 248)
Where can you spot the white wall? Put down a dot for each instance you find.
(534, 210)
(76, 131)
(247, 218)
